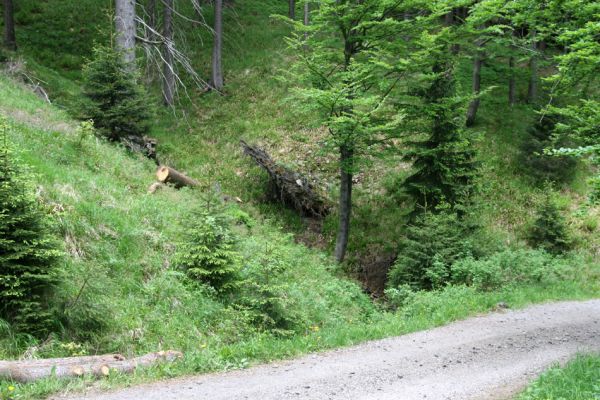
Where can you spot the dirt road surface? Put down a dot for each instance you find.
(487, 357)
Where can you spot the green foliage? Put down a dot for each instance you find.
(113, 99)
(549, 230)
(208, 252)
(507, 268)
(444, 163)
(578, 380)
(430, 246)
(544, 167)
(28, 253)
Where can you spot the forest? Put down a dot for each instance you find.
(204, 185)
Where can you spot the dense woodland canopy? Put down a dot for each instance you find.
(452, 149)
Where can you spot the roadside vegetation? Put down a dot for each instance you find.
(227, 276)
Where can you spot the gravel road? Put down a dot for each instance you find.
(487, 357)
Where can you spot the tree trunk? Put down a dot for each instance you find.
(532, 91)
(474, 105)
(217, 68)
(168, 67)
(125, 28)
(10, 41)
(292, 9)
(306, 14)
(33, 370)
(152, 18)
(512, 95)
(345, 211)
(169, 175)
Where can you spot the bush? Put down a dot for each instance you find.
(208, 254)
(549, 231)
(28, 254)
(114, 99)
(508, 267)
(428, 250)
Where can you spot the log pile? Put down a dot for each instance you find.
(289, 187)
(99, 366)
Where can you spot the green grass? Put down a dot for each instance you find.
(578, 380)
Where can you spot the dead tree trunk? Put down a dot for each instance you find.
(168, 67)
(217, 67)
(125, 28)
(532, 91)
(476, 85)
(33, 370)
(169, 175)
(341, 244)
(10, 41)
(290, 188)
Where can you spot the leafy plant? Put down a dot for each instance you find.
(113, 98)
(28, 253)
(208, 252)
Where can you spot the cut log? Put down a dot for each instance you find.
(169, 175)
(99, 366)
(155, 186)
(289, 187)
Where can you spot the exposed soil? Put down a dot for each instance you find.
(487, 357)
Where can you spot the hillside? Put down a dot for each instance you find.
(120, 289)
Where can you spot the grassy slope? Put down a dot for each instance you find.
(578, 380)
(121, 238)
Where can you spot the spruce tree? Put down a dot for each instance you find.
(113, 98)
(208, 253)
(444, 163)
(28, 254)
(549, 230)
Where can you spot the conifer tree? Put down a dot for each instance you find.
(28, 255)
(549, 231)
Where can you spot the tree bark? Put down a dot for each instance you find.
(125, 29)
(512, 89)
(217, 68)
(152, 18)
(346, 156)
(10, 41)
(306, 14)
(166, 174)
(292, 9)
(168, 67)
(33, 370)
(476, 83)
(532, 90)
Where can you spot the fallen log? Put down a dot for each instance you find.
(289, 187)
(166, 174)
(33, 370)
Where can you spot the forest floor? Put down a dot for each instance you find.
(486, 357)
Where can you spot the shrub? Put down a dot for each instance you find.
(549, 231)
(28, 254)
(429, 248)
(114, 99)
(508, 267)
(208, 254)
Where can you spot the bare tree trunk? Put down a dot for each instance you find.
(512, 95)
(125, 28)
(168, 67)
(217, 68)
(474, 105)
(532, 91)
(306, 13)
(346, 155)
(292, 9)
(10, 41)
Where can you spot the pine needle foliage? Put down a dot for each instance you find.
(208, 253)
(113, 98)
(28, 253)
(444, 163)
(550, 231)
